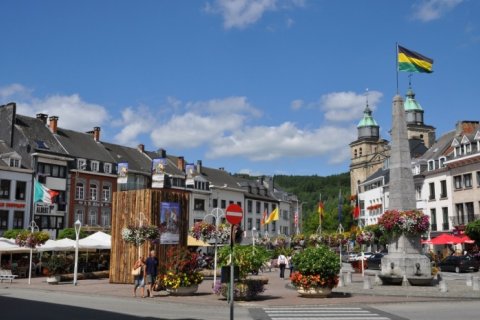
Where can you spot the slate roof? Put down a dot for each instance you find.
(220, 178)
(137, 161)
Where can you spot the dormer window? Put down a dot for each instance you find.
(14, 162)
(441, 162)
(94, 166)
(107, 167)
(431, 165)
(466, 145)
(81, 164)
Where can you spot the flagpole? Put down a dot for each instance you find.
(396, 62)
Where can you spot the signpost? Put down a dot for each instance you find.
(234, 215)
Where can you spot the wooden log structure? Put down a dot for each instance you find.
(126, 211)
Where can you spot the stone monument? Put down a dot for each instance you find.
(404, 262)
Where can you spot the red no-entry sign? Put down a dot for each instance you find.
(234, 213)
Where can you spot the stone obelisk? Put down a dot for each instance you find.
(404, 263)
(402, 189)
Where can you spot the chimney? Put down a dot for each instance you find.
(43, 117)
(162, 153)
(141, 147)
(181, 163)
(199, 166)
(53, 124)
(96, 134)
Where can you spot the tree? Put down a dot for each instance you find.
(69, 233)
(473, 230)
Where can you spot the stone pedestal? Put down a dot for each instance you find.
(404, 260)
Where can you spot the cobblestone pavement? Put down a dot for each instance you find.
(278, 292)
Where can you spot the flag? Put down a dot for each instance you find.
(356, 208)
(264, 217)
(321, 209)
(273, 216)
(412, 61)
(295, 218)
(43, 194)
(340, 205)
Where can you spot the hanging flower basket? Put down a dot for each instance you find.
(412, 222)
(30, 239)
(138, 235)
(208, 232)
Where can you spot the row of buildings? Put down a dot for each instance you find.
(85, 172)
(446, 170)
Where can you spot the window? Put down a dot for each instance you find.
(81, 164)
(106, 192)
(478, 178)
(257, 224)
(79, 215)
(418, 192)
(92, 217)
(20, 190)
(432, 191)
(18, 220)
(265, 207)
(433, 216)
(4, 189)
(249, 205)
(199, 204)
(431, 165)
(442, 162)
(14, 163)
(3, 219)
(93, 192)
(469, 209)
(458, 182)
(459, 210)
(79, 191)
(445, 218)
(215, 203)
(258, 207)
(443, 189)
(249, 224)
(106, 217)
(467, 180)
(107, 167)
(94, 166)
(223, 204)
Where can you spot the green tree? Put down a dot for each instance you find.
(473, 230)
(12, 233)
(69, 233)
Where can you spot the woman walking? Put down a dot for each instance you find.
(139, 279)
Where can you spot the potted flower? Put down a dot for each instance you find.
(248, 259)
(138, 235)
(29, 239)
(179, 273)
(56, 265)
(209, 232)
(317, 270)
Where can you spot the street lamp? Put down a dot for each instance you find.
(253, 236)
(33, 227)
(78, 226)
(216, 213)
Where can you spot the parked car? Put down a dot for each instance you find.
(358, 256)
(459, 264)
(375, 261)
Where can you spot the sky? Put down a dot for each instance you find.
(263, 87)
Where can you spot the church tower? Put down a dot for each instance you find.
(416, 128)
(368, 152)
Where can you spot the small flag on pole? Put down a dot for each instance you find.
(356, 208)
(273, 216)
(264, 217)
(340, 205)
(411, 61)
(321, 209)
(295, 218)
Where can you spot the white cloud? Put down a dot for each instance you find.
(12, 92)
(242, 13)
(347, 105)
(296, 104)
(428, 10)
(286, 140)
(72, 111)
(134, 122)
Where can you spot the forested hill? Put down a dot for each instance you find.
(311, 189)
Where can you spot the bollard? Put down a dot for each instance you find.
(348, 278)
(469, 280)
(476, 284)
(340, 280)
(367, 284)
(443, 286)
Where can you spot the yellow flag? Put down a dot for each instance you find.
(273, 216)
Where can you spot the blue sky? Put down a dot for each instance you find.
(254, 86)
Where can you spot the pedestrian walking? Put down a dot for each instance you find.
(138, 272)
(151, 267)
(282, 264)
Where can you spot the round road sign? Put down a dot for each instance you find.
(234, 213)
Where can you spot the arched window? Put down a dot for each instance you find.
(79, 215)
(106, 217)
(360, 152)
(93, 192)
(106, 193)
(355, 153)
(92, 217)
(79, 191)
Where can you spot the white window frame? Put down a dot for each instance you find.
(79, 191)
(93, 192)
(94, 165)
(81, 164)
(79, 215)
(106, 218)
(106, 193)
(92, 217)
(107, 167)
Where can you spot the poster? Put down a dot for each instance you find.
(122, 172)
(169, 222)
(158, 172)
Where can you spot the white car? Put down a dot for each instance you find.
(358, 256)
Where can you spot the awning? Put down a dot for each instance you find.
(192, 242)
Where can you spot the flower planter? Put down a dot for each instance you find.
(314, 292)
(53, 279)
(183, 291)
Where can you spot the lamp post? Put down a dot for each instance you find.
(340, 231)
(253, 236)
(78, 226)
(216, 213)
(33, 227)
